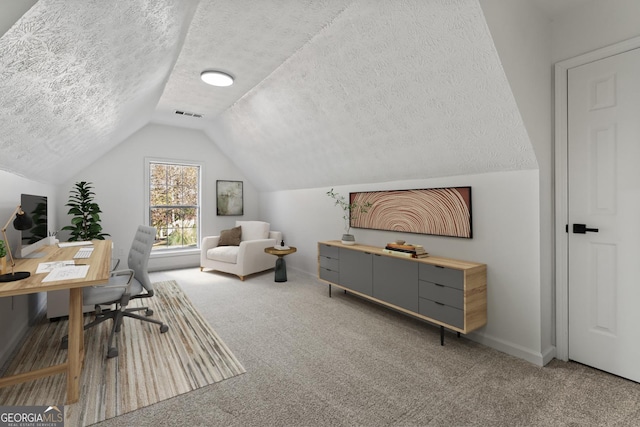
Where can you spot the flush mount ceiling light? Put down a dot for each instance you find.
(216, 78)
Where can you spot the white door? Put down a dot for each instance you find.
(604, 194)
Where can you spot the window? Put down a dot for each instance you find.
(174, 204)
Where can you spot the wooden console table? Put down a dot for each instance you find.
(447, 292)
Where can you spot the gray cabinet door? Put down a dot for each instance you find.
(356, 270)
(395, 281)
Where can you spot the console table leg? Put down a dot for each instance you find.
(441, 335)
(458, 334)
(329, 291)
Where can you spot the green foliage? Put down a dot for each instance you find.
(39, 218)
(85, 224)
(3, 249)
(183, 234)
(350, 210)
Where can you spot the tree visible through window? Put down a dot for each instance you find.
(174, 194)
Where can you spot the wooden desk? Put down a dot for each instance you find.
(99, 266)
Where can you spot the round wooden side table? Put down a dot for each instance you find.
(281, 265)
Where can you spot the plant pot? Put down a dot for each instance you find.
(3, 265)
(348, 239)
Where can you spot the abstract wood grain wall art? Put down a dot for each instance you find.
(436, 211)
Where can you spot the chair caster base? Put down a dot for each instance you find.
(164, 328)
(65, 343)
(113, 352)
(148, 312)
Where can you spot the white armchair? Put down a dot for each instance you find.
(248, 257)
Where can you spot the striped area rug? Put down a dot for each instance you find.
(150, 367)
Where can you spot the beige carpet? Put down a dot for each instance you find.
(342, 361)
(151, 366)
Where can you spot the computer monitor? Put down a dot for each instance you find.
(36, 236)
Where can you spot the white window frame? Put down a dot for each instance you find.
(147, 196)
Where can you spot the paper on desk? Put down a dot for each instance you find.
(68, 272)
(47, 267)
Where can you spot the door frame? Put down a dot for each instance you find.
(562, 183)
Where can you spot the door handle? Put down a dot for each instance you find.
(582, 229)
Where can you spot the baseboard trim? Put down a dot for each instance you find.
(548, 355)
(537, 358)
(11, 347)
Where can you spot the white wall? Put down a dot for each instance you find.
(17, 312)
(522, 37)
(597, 24)
(505, 237)
(528, 44)
(118, 180)
(12, 11)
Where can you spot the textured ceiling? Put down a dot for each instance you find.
(247, 38)
(73, 72)
(327, 92)
(388, 90)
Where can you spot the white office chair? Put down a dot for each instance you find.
(123, 286)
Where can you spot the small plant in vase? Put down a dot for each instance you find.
(350, 210)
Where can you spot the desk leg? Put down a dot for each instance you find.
(76, 345)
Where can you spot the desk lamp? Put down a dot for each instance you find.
(22, 222)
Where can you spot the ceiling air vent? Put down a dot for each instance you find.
(184, 113)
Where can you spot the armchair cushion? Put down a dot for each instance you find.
(224, 254)
(254, 230)
(230, 237)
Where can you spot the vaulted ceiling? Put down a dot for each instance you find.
(326, 92)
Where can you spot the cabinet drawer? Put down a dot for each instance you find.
(330, 275)
(443, 294)
(442, 275)
(330, 263)
(444, 313)
(330, 251)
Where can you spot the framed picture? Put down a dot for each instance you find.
(229, 198)
(436, 211)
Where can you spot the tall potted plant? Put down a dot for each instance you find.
(85, 224)
(349, 210)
